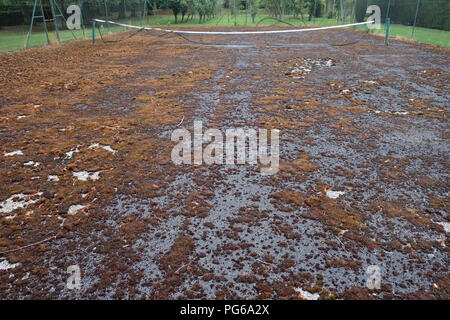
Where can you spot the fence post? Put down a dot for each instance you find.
(144, 12)
(82, 19)
(234, 10)
(31, 25)
(107, 17)
(388, 23)
(55, 21)
(246, 11)
(415, 18)
(314, 13)
(388, 8)
(168, 14)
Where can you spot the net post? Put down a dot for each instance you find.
(93, 31)
(388, 23)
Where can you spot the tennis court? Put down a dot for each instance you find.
(87, 177)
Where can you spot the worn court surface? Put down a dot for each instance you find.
(368, 120)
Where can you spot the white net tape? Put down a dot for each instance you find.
(235, 32)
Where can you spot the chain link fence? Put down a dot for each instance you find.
(421, 20)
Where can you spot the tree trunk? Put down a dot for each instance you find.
(122, 14)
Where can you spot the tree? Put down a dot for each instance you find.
(276, 7)
(253, 7)
(206, 8)
(200, 8)
(178, 6)
(122, 10)
(184, 9)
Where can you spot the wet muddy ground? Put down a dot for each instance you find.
(87, 178)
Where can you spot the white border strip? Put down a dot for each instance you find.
(236, 32)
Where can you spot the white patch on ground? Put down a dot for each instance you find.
(107, 148)
(345, 91)
(446, 226)
(401, 113)
(62, 221)
(22, 116)
(69, 154)
(334, 194)
(53, 178)
(5, 265)
(13, 153)
(17, 201)
(75, 208)
(307, 295)
(31, 164)
(84, 175)
(302, 69)
(37, 106)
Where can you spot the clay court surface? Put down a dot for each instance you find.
(87, 178)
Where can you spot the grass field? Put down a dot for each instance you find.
(14, 38)
(431, 36)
